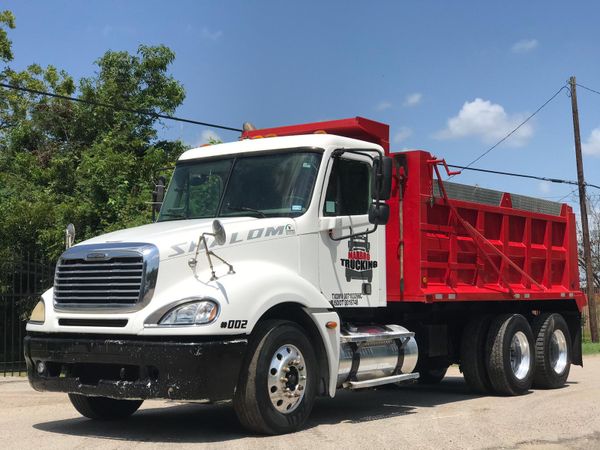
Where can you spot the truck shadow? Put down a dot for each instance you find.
(186, 423)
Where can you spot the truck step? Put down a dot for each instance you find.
(381, 381)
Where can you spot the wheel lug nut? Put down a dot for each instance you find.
(283, 379)
(286, 369)
(300, 387)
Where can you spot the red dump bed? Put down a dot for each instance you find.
(449, 242)
(452, 242)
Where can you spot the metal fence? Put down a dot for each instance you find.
(22, 279)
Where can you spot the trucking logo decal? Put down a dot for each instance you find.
(358, 264)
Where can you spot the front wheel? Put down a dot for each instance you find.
(104, 408)
(278, 384)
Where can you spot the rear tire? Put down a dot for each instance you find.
(432, 376)
(510, 354)
(104, 408)
(552, 351)
(472, 354)
(278, 349)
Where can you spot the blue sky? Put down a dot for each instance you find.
(448, 77)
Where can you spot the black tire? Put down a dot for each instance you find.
(547, 374)
(252, 402)
(503, 379)
(432, 376)
(472, 354)
(104, 408)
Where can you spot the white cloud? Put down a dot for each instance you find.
(413, 99)
(211, 35)
(592, 145)
(524, 45)
(383, 105)
(487, 121)
(545, 187)
(206, 136)
(403, 134)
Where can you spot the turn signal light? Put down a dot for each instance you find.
(331, 325)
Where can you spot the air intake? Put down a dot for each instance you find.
(105, 276)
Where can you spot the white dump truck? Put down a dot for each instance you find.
(270, 278)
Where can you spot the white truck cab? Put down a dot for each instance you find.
(232, 293)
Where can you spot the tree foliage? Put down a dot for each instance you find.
(63, 161)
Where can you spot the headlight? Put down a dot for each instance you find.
(193, 313)
(38, 315)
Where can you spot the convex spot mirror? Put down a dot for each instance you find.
(382, 178)
(219, 232)
(379, 213)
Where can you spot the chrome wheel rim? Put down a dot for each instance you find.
(287, 379)
(520, 355)
(558, 351)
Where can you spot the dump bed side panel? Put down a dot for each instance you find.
(476, 244)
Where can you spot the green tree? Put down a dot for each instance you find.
(62, 161)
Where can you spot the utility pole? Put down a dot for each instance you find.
(587, 254)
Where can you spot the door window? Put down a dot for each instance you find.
(349, 189)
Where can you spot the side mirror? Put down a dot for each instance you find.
(219, 232)
(379, 213)
(69, 236)
(382, 178)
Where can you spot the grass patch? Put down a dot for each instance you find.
(591, 348)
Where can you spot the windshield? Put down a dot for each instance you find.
(261, 186)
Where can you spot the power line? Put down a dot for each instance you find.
(118, 108)
(565, 196)
(516, 128)
(521, 175)
(587, 88)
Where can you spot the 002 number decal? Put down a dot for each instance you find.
(238, 324)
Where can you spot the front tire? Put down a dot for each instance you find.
(510, 354)
(552, 351)
(278, 383)
(104, 408)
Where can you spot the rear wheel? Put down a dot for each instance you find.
(278, 384)
(472, 354)
(432, 376)
(552, 351)
(104, 408)
(510, 355)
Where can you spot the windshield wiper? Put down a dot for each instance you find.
(245, 208)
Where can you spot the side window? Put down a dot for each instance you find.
(349, 189)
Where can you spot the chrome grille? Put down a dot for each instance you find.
(116, 280)
(106, 276)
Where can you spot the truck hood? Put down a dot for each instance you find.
(179, 237)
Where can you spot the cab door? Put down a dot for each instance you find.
(351, 257)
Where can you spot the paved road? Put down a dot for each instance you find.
(442, 417)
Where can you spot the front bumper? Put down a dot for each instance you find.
(132, 368)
